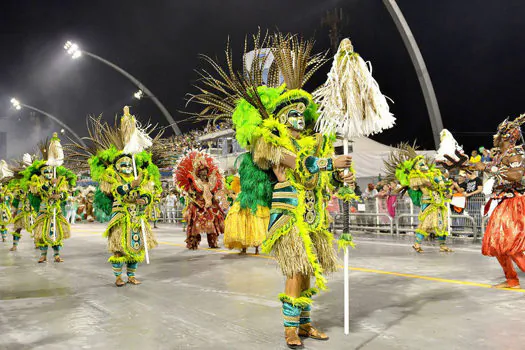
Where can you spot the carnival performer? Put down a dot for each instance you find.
(113, 159)
(23, 213)
(504, 236)
(5, 198)
(288, 168)
(427, 188)
(50, 182)
(199, 179)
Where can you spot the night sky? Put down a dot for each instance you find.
(473, 50)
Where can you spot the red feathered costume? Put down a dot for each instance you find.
(200, 180)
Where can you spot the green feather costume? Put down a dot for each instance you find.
(427, 188)
(288, 169)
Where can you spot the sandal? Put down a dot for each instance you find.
(42, 259)
(292, 339)
(418, 248)
(445, 249)
(119, 282)
(133, 280)
(308, 331)
(58, 259)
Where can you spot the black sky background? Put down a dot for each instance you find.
(473, 50)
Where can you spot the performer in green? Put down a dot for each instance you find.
(288, 168)
(23, 211)
(5, 205)
(50, 183)
(113, 166)
(428, 189)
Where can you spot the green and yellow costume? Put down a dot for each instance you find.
(25, 215)
(131, 196)
(50, 227)
(287, 176)
(5, 209)
(427, 188)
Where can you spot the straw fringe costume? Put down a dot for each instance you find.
(197, 175)
(131, 196)
(288, 174)
(428, 189)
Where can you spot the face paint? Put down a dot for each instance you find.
(124, 165)
(292, 116)
(47, 172)
(296, 120)
(421, 165)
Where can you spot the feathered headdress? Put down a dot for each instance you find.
(350, 101)
(510, 130)
(230, 93)
(106, 143)
(401, 162)
(186, 172)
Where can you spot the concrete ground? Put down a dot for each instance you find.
(219, 300)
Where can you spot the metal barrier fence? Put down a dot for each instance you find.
(401, 215)
(373, 215)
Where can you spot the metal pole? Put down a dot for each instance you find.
(421, 69)
(64, 125)
(142, 87)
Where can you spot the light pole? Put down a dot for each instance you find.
(421, 69)
(75, 52)
(18, 106)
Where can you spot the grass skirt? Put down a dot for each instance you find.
(42, 229)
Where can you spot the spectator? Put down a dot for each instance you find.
(485, 158)
(391, 200)
(458, 191)
(170, 207)
(474, 192)
(369, 197)
(358, 190)
(475, 157)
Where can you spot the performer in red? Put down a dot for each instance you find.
(200, 180)
(505, 233)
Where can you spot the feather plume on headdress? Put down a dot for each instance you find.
(350, 101)
(55, 154)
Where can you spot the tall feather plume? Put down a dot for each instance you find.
(294, 59)
(220, 88)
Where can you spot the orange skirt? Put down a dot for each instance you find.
(505, 232)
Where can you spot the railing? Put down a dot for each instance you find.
(374, 215)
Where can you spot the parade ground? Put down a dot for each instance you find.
(216, 299)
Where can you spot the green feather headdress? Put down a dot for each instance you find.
(239, 94)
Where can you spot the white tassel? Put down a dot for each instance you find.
(55, 154)
(350, 101)
(137, 140)
(4, 170)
